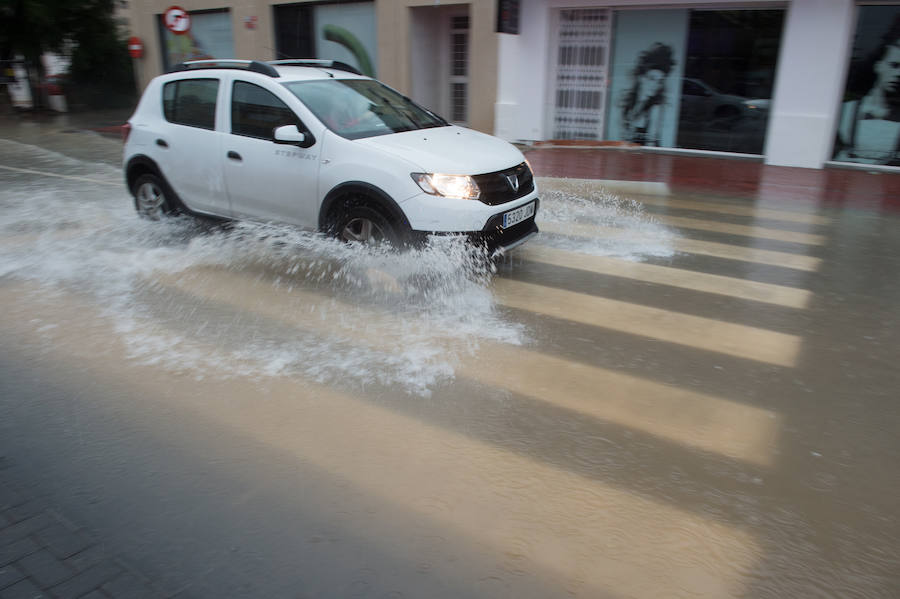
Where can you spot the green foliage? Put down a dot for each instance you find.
(101, 70)
(99, 51)
(32, 27)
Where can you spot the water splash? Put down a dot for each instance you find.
(429, 303)
(582, 216)
(328, 311)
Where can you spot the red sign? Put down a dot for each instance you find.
(135, 47)
(177, 20)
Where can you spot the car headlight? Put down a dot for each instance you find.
(449, 186)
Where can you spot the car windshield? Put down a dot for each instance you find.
(356, 108)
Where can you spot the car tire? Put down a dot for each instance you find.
(358, 223)
(152, 197)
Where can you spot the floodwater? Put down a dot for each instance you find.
(659, 396)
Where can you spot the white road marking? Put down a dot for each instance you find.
(70, 177)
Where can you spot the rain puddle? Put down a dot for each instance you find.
(257, 300)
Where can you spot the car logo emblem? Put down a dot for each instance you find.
(513, 182)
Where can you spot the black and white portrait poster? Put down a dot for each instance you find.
(869, 130)
(648, 64)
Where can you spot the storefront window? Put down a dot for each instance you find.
(209, 37)
(345, 32)
(869, 130)
(729, 74)
(699, 79)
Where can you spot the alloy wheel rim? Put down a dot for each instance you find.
(362, 230)
(150, 200)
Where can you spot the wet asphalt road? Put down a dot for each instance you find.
(661, 396)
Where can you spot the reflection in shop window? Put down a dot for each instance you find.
(698, 79)
(869, 130)
(729, 75)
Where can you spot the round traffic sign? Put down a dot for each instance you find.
(177, 20)
(135, 47)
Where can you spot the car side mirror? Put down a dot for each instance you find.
(289, 134)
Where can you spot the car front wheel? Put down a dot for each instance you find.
(362, 224)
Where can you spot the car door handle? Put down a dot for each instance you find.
(162, 143)
(234, 155)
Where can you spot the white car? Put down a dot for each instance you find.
(317, 145)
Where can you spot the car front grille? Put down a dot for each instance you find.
(496, 188)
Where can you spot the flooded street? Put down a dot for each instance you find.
(661, 395)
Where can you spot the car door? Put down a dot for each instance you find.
(188, 146)
(267, 180)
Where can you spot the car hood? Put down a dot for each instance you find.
(452, 150)
(732, 99)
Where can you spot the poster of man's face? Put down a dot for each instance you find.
(869, 130)
(647, 69)
(887, 72)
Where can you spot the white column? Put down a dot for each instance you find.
(521, 104)
(506, 108)
(812, 65)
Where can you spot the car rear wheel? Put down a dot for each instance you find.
(150, 198)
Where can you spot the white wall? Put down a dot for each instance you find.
(425, 57)
(523, 64)
(809, 84)
(506, 108)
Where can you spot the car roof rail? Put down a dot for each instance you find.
(315, 62)
(226, 63)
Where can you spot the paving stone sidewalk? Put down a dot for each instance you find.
(44, 555)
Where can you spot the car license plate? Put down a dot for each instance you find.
(514, 217)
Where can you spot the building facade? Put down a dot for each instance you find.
(800, 83)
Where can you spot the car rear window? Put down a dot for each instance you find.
(191, 102)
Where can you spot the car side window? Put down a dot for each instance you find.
(191, 102)
(256, 112)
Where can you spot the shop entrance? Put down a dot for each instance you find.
(579, 73)
(439, 48)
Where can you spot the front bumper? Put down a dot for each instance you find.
(498, 239)
(493, 236)
(433, 214)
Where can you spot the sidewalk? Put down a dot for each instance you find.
(743, 178)
(102, 121)
(42, 555)
(674, 173)
(90, 136)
